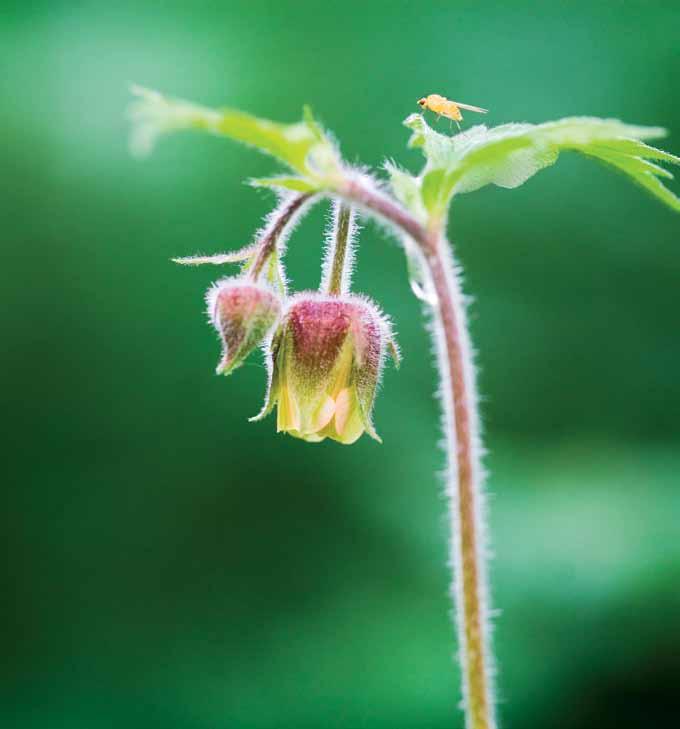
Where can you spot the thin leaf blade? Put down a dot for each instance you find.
(283, 182)
(154, 114)
(218, 259)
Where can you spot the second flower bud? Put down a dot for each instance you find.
(243, 313)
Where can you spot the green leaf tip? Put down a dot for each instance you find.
(303, 146)
(314, 127)
(508, 155)
(284, 182)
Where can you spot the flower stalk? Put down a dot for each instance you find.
(283, 217)
(337, 271)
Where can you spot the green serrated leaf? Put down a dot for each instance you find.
(636, 148)
(154, 114)
(642, 172)
(607, 153)
(510, 154)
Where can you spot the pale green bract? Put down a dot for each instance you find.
(303, 146)
(510, 154)
(219, 259)
(407, 190)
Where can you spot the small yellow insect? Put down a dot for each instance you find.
(442, 106)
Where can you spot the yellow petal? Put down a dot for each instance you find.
(343, 404)
(311, 437)
(288, 415)
(348, 422)
(324, 414)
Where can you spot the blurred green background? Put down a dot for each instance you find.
(169, 565)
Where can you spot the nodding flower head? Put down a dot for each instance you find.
(243, 313)
(326, 361)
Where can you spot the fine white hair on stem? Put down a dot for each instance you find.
(462, 441)
(278, 226)
(271, 221)
(368, 194)
(339, 249)
(469, 588)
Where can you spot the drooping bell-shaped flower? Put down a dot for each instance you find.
(243, 313)
(326, 360)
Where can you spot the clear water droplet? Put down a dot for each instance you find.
(418, 278)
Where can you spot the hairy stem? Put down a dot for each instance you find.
(357, 190)
(267, 244)
(465, 474)
(464, 485)
(339, 262)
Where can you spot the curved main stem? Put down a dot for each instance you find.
(465, 473)
(464, 486)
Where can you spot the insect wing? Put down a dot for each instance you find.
(471, 108)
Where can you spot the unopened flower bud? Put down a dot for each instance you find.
(243, 313)
(327, 358)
